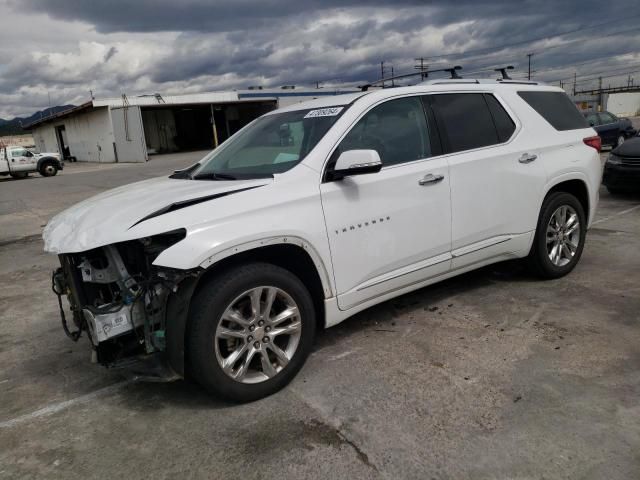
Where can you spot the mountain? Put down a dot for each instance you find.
(13, 126)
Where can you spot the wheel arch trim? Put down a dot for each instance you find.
(319, 264)
(53, 160)
(567, 177)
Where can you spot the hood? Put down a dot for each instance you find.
(110, 217)
(46, 154)
(630, 148)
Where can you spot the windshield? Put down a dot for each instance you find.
(271, 144)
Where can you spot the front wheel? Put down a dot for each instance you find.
(48, 169)
(251, 330)
(560, 236)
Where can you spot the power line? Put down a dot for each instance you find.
(596, 75)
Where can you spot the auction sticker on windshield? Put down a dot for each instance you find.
(324, 112)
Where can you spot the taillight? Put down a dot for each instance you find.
(593, 142)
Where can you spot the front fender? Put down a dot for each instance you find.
(174, 256)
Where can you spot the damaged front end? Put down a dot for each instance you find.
(124, 303)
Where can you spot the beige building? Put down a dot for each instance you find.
(18, 140)
(131, 129)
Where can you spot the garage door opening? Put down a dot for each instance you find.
(187, 128)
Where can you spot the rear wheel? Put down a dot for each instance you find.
(251, 330)
(560, 236)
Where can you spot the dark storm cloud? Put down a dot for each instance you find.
(227, 15)
(199, 45)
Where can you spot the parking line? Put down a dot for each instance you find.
(628, 210)
(57, 407)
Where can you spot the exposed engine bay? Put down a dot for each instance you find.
(119, 298)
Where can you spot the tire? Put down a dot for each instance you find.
(539, 259)
(20, 175)
(209, 343)
(48, 169)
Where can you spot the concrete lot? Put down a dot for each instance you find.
(493, 374)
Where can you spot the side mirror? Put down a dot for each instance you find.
(356, 162)
(592, 123)
(28, 154)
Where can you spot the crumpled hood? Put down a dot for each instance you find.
(108, 218)
(46, 154)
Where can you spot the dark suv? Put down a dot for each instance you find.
(612, 130)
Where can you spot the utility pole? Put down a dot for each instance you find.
(599, 94)
(422, 67)
(575, 74)
(393, 82)
(382, 73)
(529, 55)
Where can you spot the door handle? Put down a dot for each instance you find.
(527, 158)
(430, 178)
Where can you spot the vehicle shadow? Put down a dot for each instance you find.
(382, 316)
(145, 396)
(9, 178)
(630, 195)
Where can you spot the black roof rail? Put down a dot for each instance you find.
(519, 82)
(450, 81)
(451, 70)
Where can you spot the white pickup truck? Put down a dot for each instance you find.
(19, 162)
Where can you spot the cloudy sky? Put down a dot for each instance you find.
(56, 51)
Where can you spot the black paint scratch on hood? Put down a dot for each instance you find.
(192, 201)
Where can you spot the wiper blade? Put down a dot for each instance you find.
(214, 176)
(184, 173)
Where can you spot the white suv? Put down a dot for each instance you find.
(224, 271)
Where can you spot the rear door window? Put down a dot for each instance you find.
(464, 121)
(556, 108)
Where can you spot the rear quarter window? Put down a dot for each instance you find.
(556, 108)
(504, 123)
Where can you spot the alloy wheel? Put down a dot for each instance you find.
(563, 235)
(258, 334)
